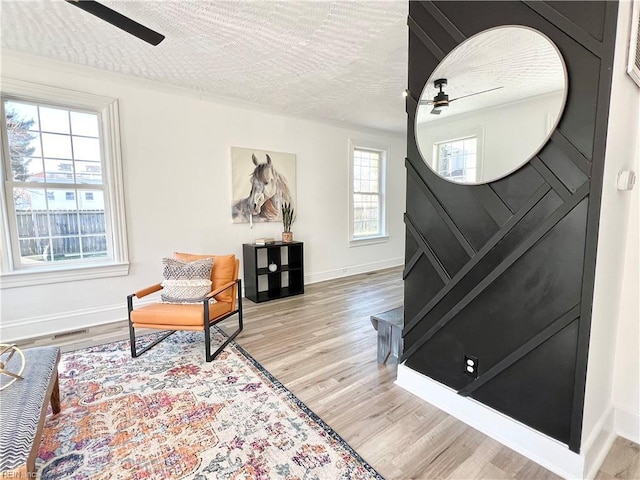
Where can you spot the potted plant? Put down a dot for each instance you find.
(288, 217)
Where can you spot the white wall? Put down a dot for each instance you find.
(626, 379)
(175, 149)
(503, 140)
(614, 321)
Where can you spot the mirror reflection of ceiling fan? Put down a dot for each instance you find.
(118, 20)
(441, 100)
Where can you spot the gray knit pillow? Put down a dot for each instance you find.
(186, 282)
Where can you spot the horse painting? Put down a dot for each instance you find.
(269, 190)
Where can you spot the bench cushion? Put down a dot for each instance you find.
(22, 404)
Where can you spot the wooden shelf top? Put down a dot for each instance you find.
(274, 244)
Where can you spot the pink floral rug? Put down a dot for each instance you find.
(169, 414)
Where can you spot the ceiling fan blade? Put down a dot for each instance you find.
(118, 20)
(476, 93)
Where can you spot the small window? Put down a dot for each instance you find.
(51, 196)
(88, 196)
(367, 212)
(70, 196)
(457, 159)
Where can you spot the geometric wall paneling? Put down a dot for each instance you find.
(434, 233)
(517, 188)
(415, 292)
(506, 362)
(550, 177)
(585, 25)
(518, 285)
(579, 119)
(412, 253)
(425, 250)
(570, 174)
(446, 215)
(504, 271)
(542, 204)
(426, 40)
(603, 94)
(492, 203)
(539, 382)
(571, 151)
(474, 215)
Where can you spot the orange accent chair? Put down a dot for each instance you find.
(226, 289)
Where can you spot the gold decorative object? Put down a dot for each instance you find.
(5, 356)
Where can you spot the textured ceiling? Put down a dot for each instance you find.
(520, 60)
(342, 61)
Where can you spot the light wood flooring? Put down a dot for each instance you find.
(322, 346)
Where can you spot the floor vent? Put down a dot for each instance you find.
(69, 334)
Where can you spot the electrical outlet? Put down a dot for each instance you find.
(471, 366)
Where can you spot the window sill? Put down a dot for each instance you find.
(368, 241)
(29, 277)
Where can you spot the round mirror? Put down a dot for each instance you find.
(491, 105)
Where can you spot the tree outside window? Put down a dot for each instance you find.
(54, 142)
(50, 149)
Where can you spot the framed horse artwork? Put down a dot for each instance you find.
(261, 182)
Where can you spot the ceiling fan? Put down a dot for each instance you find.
(118, 20)
(441, 100)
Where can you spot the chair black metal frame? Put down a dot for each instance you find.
(207, 324)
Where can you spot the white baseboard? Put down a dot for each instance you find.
(597, 445)
(538, 447)
(352, 270)
(627, 424)
(13, 332)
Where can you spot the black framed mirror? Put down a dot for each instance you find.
(491, 105)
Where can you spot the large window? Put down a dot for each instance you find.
(367, 219)
(62, 192)
(457, 159)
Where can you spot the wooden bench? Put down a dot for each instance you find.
(389, 326)
(23, 409)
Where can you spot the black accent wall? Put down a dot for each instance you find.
(504, 272)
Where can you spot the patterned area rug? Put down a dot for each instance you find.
(169, 414)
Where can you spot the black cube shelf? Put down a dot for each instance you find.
(262, 284)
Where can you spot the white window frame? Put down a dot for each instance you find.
(438, 161)
(383, 236)
(455, 134)
(117, 264)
